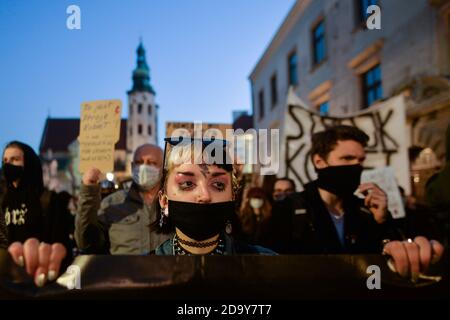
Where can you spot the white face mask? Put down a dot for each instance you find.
(256, 203)
(146, 176)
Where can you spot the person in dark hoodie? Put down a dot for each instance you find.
(3, 232)
(23, 188)
(28, 209)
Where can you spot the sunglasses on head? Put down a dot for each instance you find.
(183, 141)
(174, 141)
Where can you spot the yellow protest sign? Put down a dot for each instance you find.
(99, 132)
(98, 154)
(100, 119)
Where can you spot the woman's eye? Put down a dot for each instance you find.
(186, 185)
(219, 185)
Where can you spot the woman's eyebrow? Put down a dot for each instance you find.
(217, 174)
(186, 173)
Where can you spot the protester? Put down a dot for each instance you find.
(282, 188)
(197, 201)
(29, 210)
(328, 218)
(119, 223)
(255, 217)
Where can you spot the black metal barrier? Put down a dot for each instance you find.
(232, 277)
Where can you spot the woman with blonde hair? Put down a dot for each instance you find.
(197, 201)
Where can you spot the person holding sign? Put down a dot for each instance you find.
(119, 224)
(328, 218)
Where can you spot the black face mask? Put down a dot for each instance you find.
(200, 221)
(280, 196)
(12, 172)
(340, 180)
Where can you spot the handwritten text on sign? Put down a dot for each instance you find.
(99, 132)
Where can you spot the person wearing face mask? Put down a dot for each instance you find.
(255, 217)
(328, 218)
(197, 203)
(28, 209)
(118, 224)
(23, 187)
(282, 188)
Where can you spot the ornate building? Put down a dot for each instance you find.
(142, 109)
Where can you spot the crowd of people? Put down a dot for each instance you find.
(177, 205)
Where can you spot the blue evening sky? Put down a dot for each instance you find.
(200, 54)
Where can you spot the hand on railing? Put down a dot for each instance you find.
(412, 258)
(41, 260)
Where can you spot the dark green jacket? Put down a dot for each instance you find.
(118, 225)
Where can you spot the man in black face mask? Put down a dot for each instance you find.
(327, 217)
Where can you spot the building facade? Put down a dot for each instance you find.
(326, 53)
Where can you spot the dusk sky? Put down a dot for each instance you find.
(200, 54)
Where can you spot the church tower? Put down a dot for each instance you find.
(142, 110)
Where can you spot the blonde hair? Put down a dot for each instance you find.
(175, 156)
(194, 154)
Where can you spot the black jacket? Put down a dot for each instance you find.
(302, 224)
(3, 231)
(21, 206)
(29, 210)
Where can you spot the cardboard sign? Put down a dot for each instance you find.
(99, 132)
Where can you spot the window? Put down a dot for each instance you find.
(292, 69)
(149, 130)
(131, 131)
(149, 109)
(323, 108)
(261, 104)
(319, 49)
(273, 90)
(372, 90)
(362, 6)
(140, 129)
(139, 108)
(131, 109)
